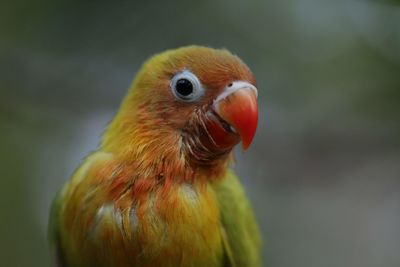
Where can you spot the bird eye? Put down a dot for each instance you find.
(186, 86)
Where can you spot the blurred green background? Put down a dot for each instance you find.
(324, 170)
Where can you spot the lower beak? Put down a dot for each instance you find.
(237, 106)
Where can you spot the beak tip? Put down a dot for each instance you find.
(245, 147)
(246, 142)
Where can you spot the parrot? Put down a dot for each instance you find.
(159, 190)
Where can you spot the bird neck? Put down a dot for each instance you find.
(156, 151)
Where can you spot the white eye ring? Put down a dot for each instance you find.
(186, 86)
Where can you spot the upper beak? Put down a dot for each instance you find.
(237, 105)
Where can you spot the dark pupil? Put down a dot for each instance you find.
(184, 87)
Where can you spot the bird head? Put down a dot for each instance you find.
(196, 101)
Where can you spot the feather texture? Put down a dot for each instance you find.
(158, 192)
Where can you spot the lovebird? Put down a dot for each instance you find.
(159, 191)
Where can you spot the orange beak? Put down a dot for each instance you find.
(237, 106)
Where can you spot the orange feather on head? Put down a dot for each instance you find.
(176, 137)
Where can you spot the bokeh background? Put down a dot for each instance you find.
(324, 170)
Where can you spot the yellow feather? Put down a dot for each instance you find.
(139, 200)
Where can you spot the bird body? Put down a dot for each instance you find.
(158, 192)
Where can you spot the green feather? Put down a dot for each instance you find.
(241, 236)
(54, 233)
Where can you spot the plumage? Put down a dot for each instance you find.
(158, 191)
